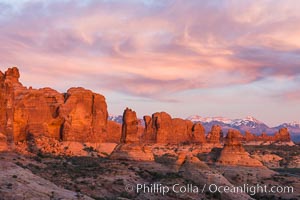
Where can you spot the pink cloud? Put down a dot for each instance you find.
(292, 95)
(155, 49)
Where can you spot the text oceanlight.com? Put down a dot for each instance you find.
(158, 188)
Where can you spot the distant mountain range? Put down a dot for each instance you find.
(116, 118)
(247, 124)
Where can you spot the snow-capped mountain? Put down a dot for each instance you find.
(294, 124)
(115, 118)
(197, 118)
(249, 121)
(247, 124)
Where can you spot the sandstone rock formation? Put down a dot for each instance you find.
(129, 127)
(233, 152)
(3, 143)
(136, 152)
(198, 132)
(268, 159)
(182, 131)
(85, 116)
(49, 146)
(27, 111)
(215, 135)
(200, 173)
(79, 115)
(9, 82)
(36, 113)
(149, 133)
(114, 131)
(163, 127)
(282, 135)
(249, 137)
(266, 138)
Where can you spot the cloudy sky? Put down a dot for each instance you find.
(211, 58)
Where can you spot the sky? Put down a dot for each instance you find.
(211, 58)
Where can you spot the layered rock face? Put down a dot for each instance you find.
(215, 135)
(161, 128)
(198, 132)
(114, 131)
(9, 82)
(234, 153)
(79, 115)
(85, 116)
(27, 111)
(3, 143)
(182, 131)
(36, 113)
(129, 127)
(149, 133)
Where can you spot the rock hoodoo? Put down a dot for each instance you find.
(198, 132)
(282, 135)
(234, 153)
(215, 135)
(162, 124)
(182, 131)
(9, 83)
(129, 127)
